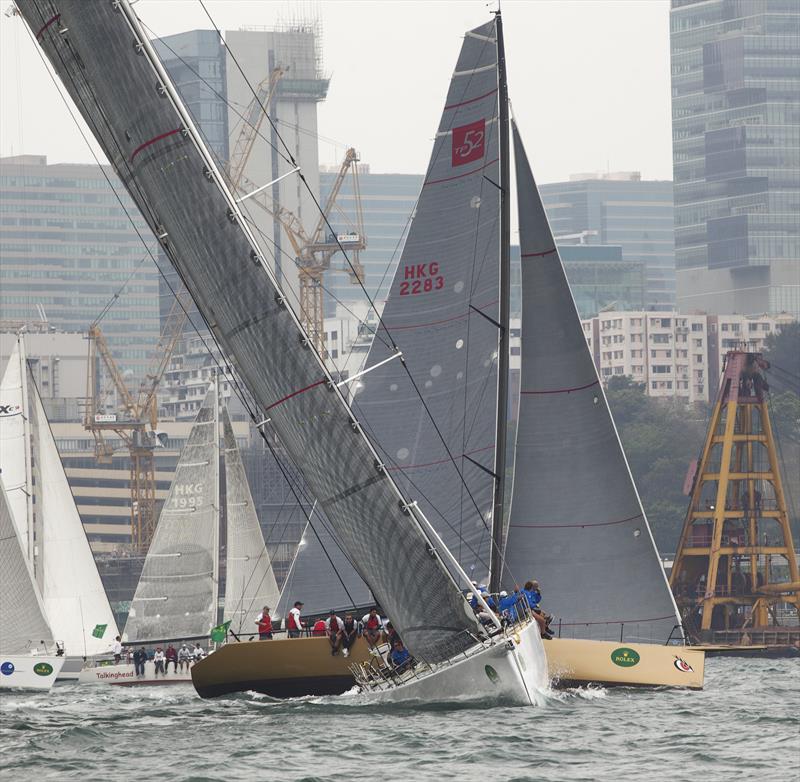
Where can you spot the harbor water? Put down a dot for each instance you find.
(743, 726)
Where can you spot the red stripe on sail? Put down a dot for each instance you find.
(47, 24)
(153, 141)
(578, 526)
(459, 176)
(438, 322)
(562, 390)
(471, 100)
(539, 255)
(295, 393)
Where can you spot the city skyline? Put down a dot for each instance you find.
(573, 69)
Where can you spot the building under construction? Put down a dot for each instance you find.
(735, 574)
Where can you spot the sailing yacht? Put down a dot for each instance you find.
(111, 70)
(177, 597)
(47, 523)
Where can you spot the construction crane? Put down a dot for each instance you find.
(312, 253)
(133, 416)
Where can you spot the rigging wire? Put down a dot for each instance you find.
(232, 378)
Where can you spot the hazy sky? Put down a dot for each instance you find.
(588, 79)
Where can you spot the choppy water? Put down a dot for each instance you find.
(743, 726)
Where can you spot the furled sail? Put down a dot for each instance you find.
(442, 313)
(74, 597)
(177, 591)
(24, 624)
(14, 448)
(321, 575)
(100, 52)
(576, 522)
(249, 580)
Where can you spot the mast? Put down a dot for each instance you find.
(217, 509)
(498, 510)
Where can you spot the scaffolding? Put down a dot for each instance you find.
(735, 574)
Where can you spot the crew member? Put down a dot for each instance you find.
(294, 624)
(264, 622)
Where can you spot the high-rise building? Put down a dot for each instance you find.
(67, 246)
(736, 154)
(623, 209)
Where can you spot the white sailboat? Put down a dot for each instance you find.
(176, 599)
(48, 524)
(28, 658)
(151, 140)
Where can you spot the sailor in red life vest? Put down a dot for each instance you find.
(333, 629)
(294, 624)
(373, 626)
(264, 622)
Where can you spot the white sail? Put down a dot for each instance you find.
(14, 453)
(249, 579)
(21, 608)
(177, 592)
(74, 597)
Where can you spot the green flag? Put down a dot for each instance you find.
(220, 632)
(99, 631)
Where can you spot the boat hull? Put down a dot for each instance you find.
(124, 675)
(29, 672)
(574, 661)
(512, 671)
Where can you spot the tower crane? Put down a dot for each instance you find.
(312, 253)
(134, 415)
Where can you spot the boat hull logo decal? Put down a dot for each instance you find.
(7, 668)
(625, 657)
(494, 677)
(682, 665)
(42, 669)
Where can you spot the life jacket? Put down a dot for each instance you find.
(290, 622)
(333, 626)
(374, 622)
(265, 624)
(319, 627)
(349, 626)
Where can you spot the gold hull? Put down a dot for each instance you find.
(288, 668)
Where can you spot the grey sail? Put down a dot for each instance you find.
(109, 68)
(177, 592)
(576, 522)
(21, 607)
(321, 576)
(441, 313)
(249, 580)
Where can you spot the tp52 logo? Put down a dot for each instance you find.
(625, 657)
(9, 409)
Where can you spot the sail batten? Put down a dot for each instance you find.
(108, 66)
(576, 522)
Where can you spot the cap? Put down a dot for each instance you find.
(504, 593)
(331, 611)
(299, 603)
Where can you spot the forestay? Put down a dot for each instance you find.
(249, 580)
(106, 63)
(74, 597)
(21, 607)
(576, 521)
(440, 313)
(177, 592)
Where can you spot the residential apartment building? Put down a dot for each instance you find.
(675, 356)
(736, 154)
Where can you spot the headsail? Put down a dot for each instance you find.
(112, 73)
(249, 580)
(177, 591)
(576, 521)
(21, 607)
(74, 597)
(442, 313)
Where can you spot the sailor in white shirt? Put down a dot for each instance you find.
(334, 628)
(158, 660)
(294, 624)
(117, 649)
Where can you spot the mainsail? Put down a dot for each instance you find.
(249, 580)
(74, 597)
(21, 607)
(576, 521)
(15, 445)
(442, 313)
(111, 71)
(177, 591)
